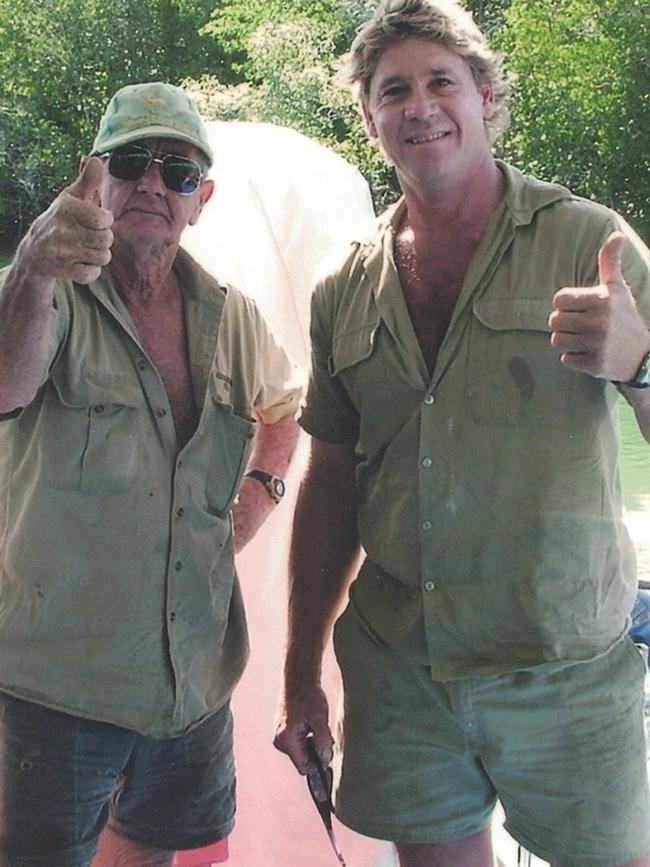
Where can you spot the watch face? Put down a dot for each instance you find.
(278, 487)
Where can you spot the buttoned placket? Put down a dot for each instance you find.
(202, 324)
(426, 473)
(201, 354)
(433, 518)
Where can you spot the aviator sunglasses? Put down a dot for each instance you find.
(130, 163)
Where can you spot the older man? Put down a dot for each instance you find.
(466, 366)
(133, 388)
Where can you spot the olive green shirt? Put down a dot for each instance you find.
(118, 594)
(489, 495)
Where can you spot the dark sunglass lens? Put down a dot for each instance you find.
(129, 165)
(181, 175)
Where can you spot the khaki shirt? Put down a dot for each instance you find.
(489, 496)
(118, 594)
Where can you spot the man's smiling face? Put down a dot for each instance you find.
(428, 113)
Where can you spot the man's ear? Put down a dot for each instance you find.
(487, 93)
(368, 122)
(205, 194)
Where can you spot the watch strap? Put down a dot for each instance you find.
(642, 376)
(273, 485)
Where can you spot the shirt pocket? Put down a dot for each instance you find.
(228, 440)
(513, 375)
(92, 442)
(357, 362)
(351, 348)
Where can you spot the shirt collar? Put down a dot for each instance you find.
(524, 197)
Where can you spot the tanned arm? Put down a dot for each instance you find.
(324, 550)
(71, 240)
(274, 448)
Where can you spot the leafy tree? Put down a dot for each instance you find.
(582, 94)
(235, 22)
(60, 61)
(290, 56)
(488, 14)
(582, 107)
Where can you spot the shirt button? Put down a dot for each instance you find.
(426, 525)
(178, 565)
(429, 585)
(180, 512)
(427, 462)
(99, 408)
(429, 400)
(161, 412)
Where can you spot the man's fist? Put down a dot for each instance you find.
(72, 239)
(598, 330)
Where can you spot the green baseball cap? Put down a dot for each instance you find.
(151, 110)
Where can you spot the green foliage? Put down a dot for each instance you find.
(35, 159)
(234, 24)
(60, 61)
(291, 57)
(581, 115)
(582, 107)
(488, 14)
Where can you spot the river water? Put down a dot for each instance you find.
(635, 473)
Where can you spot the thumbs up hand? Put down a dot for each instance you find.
(599, 330)
(72, 239)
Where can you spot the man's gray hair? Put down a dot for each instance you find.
(443, 21)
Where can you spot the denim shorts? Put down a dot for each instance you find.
(64, 778)
(561, 745)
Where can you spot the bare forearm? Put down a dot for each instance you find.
(25, 307)
(324, 551)
(275, 445)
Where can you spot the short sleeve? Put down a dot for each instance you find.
(266, 384)
(280, 381)
(57, 329)
(328, 413)
(636, 268)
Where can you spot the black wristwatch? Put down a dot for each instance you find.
(275, 487)
(642, 377)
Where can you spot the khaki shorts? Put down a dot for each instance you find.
(561, 746)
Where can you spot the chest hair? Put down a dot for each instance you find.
(161, 328)
(431, 273)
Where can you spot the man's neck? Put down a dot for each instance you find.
(465, 206)
(143, 275)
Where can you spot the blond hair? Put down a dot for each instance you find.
(443, 21)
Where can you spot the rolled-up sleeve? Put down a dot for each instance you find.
(56, 331)
(265, 384)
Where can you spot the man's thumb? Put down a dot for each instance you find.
(86, 186)
(609, 260)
